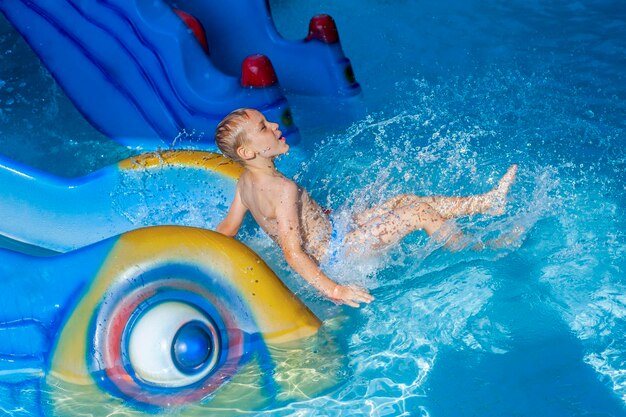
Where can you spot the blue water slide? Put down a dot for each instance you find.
(136, 72)
(153, 319)
(191, 188)
(238, 28)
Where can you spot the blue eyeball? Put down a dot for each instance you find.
(192, 347)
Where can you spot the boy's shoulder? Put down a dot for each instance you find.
(283, 185)
(267, 182)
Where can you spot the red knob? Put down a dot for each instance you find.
(195, 26)
(257, 71)
(323, 28)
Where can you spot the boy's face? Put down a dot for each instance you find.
(263, 137)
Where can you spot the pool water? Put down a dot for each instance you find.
(453, 93)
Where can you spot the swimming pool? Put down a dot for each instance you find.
(453, 93)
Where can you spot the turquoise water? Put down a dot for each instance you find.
(454, 92)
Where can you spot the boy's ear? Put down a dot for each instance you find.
(245, 153)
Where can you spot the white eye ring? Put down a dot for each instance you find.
(151, 345)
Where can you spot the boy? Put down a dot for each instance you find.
(301, 227)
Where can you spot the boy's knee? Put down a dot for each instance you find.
(404, 200)
(420, 215)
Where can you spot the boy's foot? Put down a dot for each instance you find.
(497, 196)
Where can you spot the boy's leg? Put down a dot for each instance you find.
(492, 202)
(394, 224)
(447, 206)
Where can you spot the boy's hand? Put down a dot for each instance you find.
(352, 296)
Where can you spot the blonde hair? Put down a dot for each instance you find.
(230, 134)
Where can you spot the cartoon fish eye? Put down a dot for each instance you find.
(173, 344)
(160, 340)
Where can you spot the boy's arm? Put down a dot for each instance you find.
(232, 222)
(289, 239)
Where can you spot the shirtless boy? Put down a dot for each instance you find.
(301, 227)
